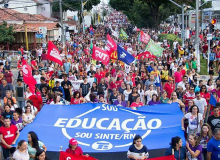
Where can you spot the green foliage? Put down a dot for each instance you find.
(6, 33)
(74, 5)
(170, 37)
(149, 13)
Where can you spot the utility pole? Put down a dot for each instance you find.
(182, 31)
(26, 38)
(208, 37)
(83, 23)
(61, 22)
(197, 35)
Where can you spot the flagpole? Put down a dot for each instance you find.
(61, 22)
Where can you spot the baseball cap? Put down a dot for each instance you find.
(73, 141)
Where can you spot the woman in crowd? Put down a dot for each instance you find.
(7, 113)
(56, 100)
(194, 149)
(34, 145)
(127, 92)
(33, 108)
(174, 99)
(155, 100)
(137, 150)
(74, 149)
(210, 85)
(176, 145)
(17, 120)
(163, 98)
(132, 96)
(40, 155)
(21, 152)
(120, 101)
(93, 98)
(194, 120)
(136, 103)
(94, 88)
(204, 136)
(44, 95)
(77, 98)
(204, 93)
(149, 93)
(28, 116)
(12, 105)
(141, 91)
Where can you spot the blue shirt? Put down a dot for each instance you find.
(212, 56)
(179, 155)
(67, 66)
(149, 69)
(214, 147)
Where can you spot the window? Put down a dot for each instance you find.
(42, 8)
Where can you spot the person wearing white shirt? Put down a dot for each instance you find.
(21, 152)
(149, 93)
(201, 103)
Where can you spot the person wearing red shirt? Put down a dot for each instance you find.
(137, 103)
(169, 87)
(8, 136)
(189, 96)
(8, 76)
(178, 76)
(204, 50)
(99, 75)
(34, 66)
(74, 149)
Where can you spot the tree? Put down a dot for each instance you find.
(149, 13)
(74, 5)
(6, 33)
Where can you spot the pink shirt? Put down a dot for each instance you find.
(178, 77)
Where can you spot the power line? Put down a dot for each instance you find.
(45, 3)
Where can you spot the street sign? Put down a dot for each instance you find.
(43, 30)
(38, 35)
(209, 36)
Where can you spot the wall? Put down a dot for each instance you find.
(22, 3)
(45, 9)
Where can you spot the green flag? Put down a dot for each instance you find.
(154, 48)
(123, 35)
(91, 47)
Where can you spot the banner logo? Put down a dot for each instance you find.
(126, 128)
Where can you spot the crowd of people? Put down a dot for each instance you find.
(118, 84)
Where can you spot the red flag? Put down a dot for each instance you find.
(100, 55)
(164, 158)
(67, 156)
(111, 45)
(145, 54)
(53, 53)
(145, 38)
(27, 76)
(86, 50)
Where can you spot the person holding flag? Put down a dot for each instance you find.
(157, 79)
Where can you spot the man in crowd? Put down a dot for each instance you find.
(8, 136)
(84, 87)
(213, 147)
(214, 120)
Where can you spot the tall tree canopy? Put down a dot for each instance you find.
(6, 33)
(149, 13)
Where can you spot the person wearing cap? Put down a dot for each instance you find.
(169, 87)
(57, 89)
(74, 148)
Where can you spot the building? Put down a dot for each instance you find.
(34, 23)
(43, 7)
